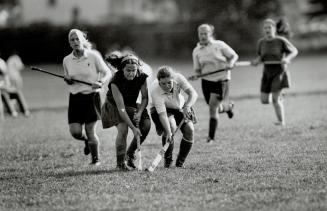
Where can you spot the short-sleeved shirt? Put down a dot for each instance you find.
(273, 50)
(129, 89)
(85, 68)
(162, 100)
(211, 57)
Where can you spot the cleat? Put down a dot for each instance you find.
(179, 164)
(130, 163)
(95, 162)
(168, 163)
(123, 167)
(210, 140)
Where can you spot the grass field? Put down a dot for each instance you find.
(253, 165)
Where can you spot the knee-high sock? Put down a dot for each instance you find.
(184, 149)
(213, 123)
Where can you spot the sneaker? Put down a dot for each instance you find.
(130, 163)
(86, 148)
(14, 114)
(280, 123)
(95, 162)
(27, 113)
(230, 112)
(210, 140)
(179, 164)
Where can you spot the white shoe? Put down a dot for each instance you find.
(209, 140)
(95, 163)
(280, 123)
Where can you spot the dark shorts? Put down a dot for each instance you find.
(178, 116)
(84, 108)
(274, 82)
(110, 115)
(221, 88)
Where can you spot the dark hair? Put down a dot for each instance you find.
(165, 72)
(118, 61)
(283, 28)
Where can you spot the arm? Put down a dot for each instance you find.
(292, 52)
(67, 77)
(232, 60)
(121, 109)
(165, 124)
(196, 63)
(256, 61)
(230, 54)
(192, 96)
(102, 69)
(144, 101)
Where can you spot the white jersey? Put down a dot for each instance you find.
(211, 57)
(174, 100)
(86, 68)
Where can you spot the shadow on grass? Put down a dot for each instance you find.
(82, 173)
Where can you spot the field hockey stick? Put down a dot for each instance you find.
(195, 77)
(60, 76)
(161, 153)
(139, 153)
(249, 63)
(237, 64)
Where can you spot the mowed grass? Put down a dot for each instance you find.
(253, 164)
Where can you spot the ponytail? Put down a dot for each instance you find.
(283, 29)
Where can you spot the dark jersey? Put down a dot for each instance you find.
(274, 50)
(129, 89)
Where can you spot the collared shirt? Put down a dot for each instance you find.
(85, 68)
(211, 57)
(174, 99)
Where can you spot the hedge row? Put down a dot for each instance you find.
(45, 43)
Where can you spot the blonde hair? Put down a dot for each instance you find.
(270, 21)
(207, 27)
(165, 72)
(81, 36)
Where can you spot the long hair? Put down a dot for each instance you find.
(283, 28)
(81, 36)
(119, 61)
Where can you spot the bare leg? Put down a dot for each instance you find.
(121, 144)
(279, 107)
(76, 130)
(8, 104)
(22, 103)
(93, 141)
